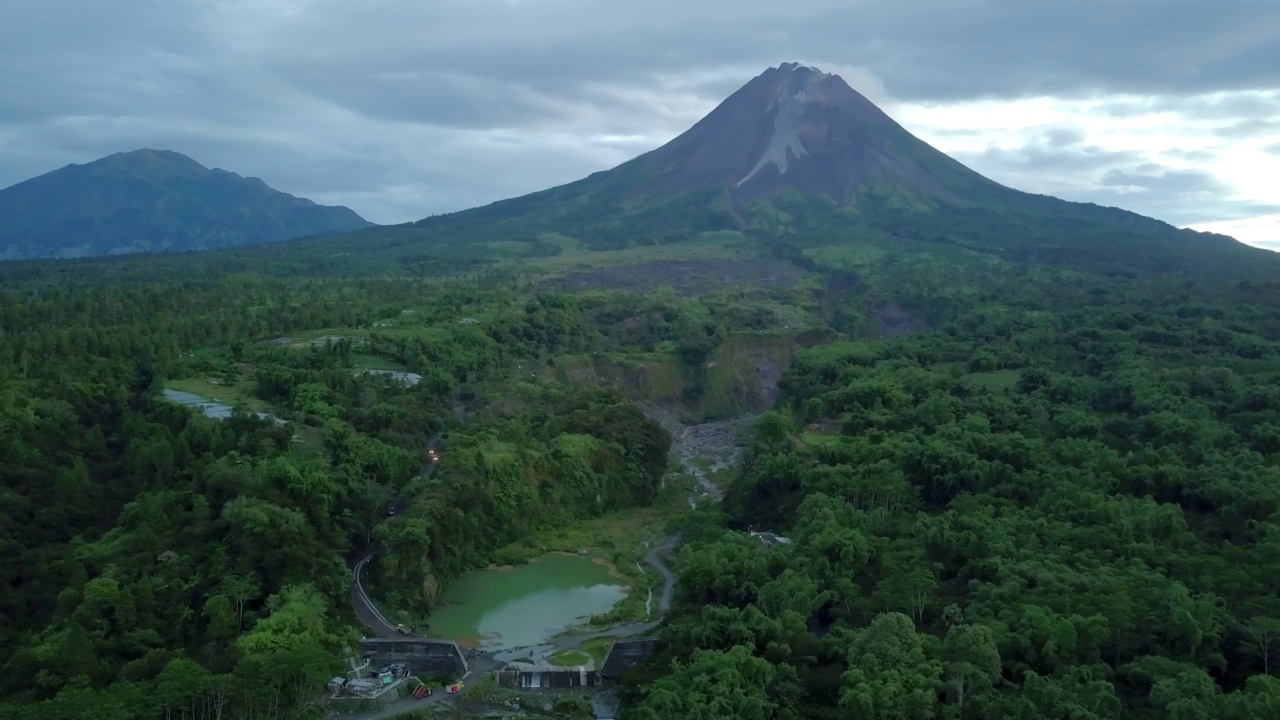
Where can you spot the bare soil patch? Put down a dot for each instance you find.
(690, 278)
(895, 321)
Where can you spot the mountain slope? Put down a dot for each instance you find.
(150, 200)
(797, 156)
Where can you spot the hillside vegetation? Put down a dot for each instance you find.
(1076, 472)
(159, 563)
(1064, 508)
(151, 201)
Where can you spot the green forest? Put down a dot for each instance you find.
(1056, 497)
(161, 564)
(1049, 508)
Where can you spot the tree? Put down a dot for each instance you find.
(971, 662)
(1262, 638)
(713, 685)
(892, 672)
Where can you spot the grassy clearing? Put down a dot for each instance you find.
(517, 248)
(622, 531)
(597, 648)
(617, 533)
(998, 381)
(311, 338)
(373, 362)
(844, 257)
(568, 657)
(235, 395)
(722, 478)
(816, 438)
(721, 244)
(616, 540)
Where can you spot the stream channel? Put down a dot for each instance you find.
(215, 410)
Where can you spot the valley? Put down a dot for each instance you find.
(850, 432)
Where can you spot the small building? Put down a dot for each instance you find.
(771, 540)
(363, 687)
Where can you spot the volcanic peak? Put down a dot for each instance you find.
(802, 86)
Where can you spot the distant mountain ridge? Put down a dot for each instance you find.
(797, 165)
(153, 200)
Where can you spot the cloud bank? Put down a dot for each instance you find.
(401, 109)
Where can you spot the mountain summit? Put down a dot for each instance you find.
(798, 128)
(149, 200)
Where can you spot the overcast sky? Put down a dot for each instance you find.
(404, 108)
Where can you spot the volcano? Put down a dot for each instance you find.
(797, 153)
(798, 128)
(792, 130)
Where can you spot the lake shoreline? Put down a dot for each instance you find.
(528, 604)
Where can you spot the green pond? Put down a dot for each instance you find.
(524, 605)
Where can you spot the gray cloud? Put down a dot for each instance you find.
(1193, 155)
(1250, 129)
(1208, 107)
(1049, 158)
(1150, 177)
(1059, 165)
(1172, 47)
(402, 108)
(1064, 137)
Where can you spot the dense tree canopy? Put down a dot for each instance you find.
(158, 563)
(1058, 499)
(1041, 510)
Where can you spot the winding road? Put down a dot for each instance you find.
(654, 560)
(363, 605)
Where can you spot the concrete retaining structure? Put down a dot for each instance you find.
(530, 679)
(625, 654)
(425, 658)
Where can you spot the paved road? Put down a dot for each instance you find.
(654, 559)
(668, 578)
(364, 606)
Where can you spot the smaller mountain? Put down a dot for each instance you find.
(150, 201)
